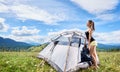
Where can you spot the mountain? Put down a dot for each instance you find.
(10, 45)
(108, 46)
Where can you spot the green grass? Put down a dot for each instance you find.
(37, 48)
(109, 62)
(28, 62)
(22, 62)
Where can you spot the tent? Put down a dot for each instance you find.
(64, 52)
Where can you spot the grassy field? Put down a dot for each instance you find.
(28, 62)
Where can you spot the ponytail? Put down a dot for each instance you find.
(93, 26)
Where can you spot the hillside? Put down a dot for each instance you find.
(37, 48)
(108, 47)
(7, 44)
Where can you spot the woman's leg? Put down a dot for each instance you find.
(93, 54)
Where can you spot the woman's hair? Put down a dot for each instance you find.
(92, 24)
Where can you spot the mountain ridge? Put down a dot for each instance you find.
(108, 47)
(10, 44)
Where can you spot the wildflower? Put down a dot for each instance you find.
(7, 62)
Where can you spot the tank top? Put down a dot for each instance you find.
(87, 35)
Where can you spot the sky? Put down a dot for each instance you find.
(34, 21)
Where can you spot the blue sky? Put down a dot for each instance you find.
(33, 21)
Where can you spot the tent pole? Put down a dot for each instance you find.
(67, 56)
(66, 59)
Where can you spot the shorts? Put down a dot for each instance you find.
(93, 43)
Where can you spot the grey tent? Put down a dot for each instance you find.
(64, 52)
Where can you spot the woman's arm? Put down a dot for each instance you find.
(90, 34)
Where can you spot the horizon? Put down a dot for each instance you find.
(34, 21)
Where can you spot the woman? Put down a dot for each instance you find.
(91, 42)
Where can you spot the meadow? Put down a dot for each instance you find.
(28, 62)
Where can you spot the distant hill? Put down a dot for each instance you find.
(108, 46)
(38, 48)
(7, 44)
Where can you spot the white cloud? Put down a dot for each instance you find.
(28, 39)
(24, 31)
(97, 6)
(3, 27)
(4, 8)
(106, 17)
(108, 37)
(2, 20)
(100, 8)
(64, 30)
(27, 11)
(26, 34)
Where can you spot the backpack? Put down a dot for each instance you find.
(85, 55)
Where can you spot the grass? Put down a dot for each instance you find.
(27, 62)
(109, 62)
(22, 62)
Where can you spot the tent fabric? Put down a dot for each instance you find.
(64, 52)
